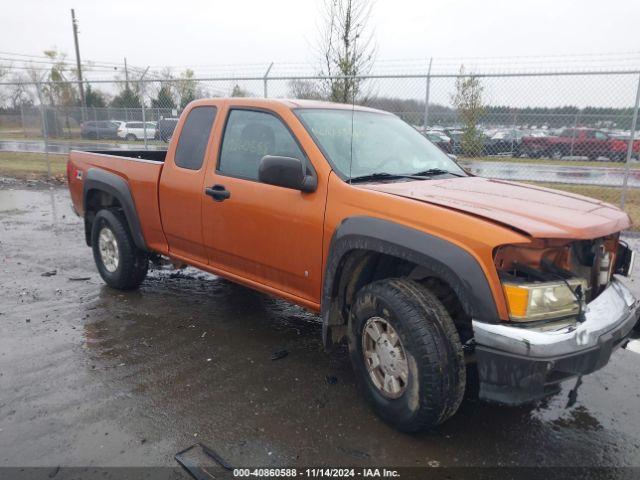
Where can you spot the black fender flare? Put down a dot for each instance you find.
(441, 258)
(101, 180)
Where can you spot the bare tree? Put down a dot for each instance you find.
(60, 90)
(346, 46)
(307, 89)
(238, 91)
(19, 93)
(186, 87)
(468, 101)
(166, 91)
(4, 71)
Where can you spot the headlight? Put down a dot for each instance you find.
(528, 302)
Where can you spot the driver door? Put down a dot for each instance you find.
(262, 233)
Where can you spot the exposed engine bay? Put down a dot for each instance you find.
(553, 278)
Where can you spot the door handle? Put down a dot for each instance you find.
(218, 193)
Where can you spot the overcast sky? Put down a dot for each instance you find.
(198, 32)
(241, 37)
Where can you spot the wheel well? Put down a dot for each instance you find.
(95, 201)
(361, 267)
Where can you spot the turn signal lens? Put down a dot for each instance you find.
(528, 302)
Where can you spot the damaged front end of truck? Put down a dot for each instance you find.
(569, 309)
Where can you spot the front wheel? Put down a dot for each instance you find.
(556, 154)
(121, 263)
(406, 353)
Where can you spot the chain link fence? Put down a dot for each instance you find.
(570, 130)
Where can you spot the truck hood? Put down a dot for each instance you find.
(539, 212)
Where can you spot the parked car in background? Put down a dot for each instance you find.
(456, 140)
(620, 144)
(136, 130)
(165, 129)
(580, 142)
(442, 141)
(101, 129)
(504, 142)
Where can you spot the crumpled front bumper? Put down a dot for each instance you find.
(517, 365)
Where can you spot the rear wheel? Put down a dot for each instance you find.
(121, 263)
(130, 137)
(406, 353)
(556, 153)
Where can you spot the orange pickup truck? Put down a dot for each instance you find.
(425, 271)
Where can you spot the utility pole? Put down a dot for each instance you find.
(126, 74)
(74, 23)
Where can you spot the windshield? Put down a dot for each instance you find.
(381, 144)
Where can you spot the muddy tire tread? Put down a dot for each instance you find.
(433, 339)
(134, 263)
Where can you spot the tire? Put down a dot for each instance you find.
(130, 137)
(556, 154)
(429, 342)
(530, 153)
(130, 268)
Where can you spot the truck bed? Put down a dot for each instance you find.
(140, 169)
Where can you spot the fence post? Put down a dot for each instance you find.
(24, 130)
(144, 124)
(43, 115)
(634, 122)
(513, 133)
(95, 118)
(426, 96)
(265, 80)
(575, 126)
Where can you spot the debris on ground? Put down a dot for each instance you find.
(354, 453)
(331, 379)
(573, 394)
(50, 273)
(198, 460)
(78, 279)
(278, 354)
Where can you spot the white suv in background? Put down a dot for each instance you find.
(136, 130)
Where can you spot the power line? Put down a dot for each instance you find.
(49, 58)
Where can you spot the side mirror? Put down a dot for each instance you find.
(286, 172)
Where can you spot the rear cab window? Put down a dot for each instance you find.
(194, 137)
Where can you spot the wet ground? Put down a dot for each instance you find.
(93, 376)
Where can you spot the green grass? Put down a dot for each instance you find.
(32, 165)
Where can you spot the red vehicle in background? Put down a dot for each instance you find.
(619, 146)
(579, 142)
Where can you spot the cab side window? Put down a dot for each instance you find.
(249, 136)
(194, 138)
